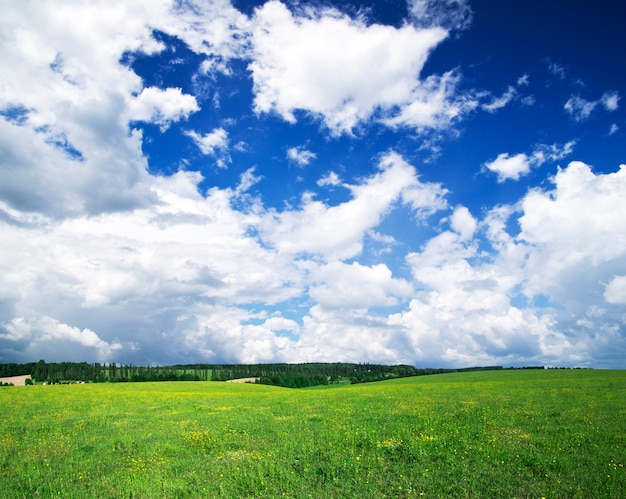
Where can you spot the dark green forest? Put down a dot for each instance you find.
(287, 375)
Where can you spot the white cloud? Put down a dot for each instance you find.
(174, 276)
(331, 178)
(570, 244)
(48, 333)
(615, 291)
(73, 153)
(610, 101)
(211, 142)
(551, 152)
(62, 67)
(300, 155)
(435, 104)
(449, 14)
(578, 231)
(323, 64)
(338, 231)
(463, 223)
(580, 109)
(463, 314)
(500, 102)
(148, 274)
(161, 107)
(341, 286)
(614, 129)
(210, 27)
(178, 276)
(509, 167)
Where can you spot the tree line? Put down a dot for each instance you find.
(280, 374)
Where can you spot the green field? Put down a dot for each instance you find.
(554, 433)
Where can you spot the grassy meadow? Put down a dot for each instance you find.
(556, 433)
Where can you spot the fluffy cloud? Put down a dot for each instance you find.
(186, 276)
(322, 64)
(434, 104)
(610, 101)
(568, 252)
(615, 291)
(70, 151)
(340, 286)
(338, 231)
(67, 98)
(300, 155)
(178, 276)
(463, 223)
(161, 107)
(331, 178)
(463, 314)
(210, 142)
(509, 167)
(577, 232)
(50, 334)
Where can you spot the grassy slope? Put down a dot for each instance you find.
(485, 434)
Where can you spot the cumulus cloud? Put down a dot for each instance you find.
(463, 314)
(181, 276)
(568, 252)
(463, 222)
(331, 178)
(337, 285)
(434, 104)
(210, 142)
(71, 152)
(338, 231)
(161, 107)
(615, 291)
(300, 155)
(509, 167)
(579, 231)
(68, 150)
(48, 333)
(322, 64)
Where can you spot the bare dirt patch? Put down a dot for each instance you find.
(243, 380)
(16, 380)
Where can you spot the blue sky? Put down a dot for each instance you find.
(436, 183)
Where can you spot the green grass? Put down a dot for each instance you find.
(559, 433)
